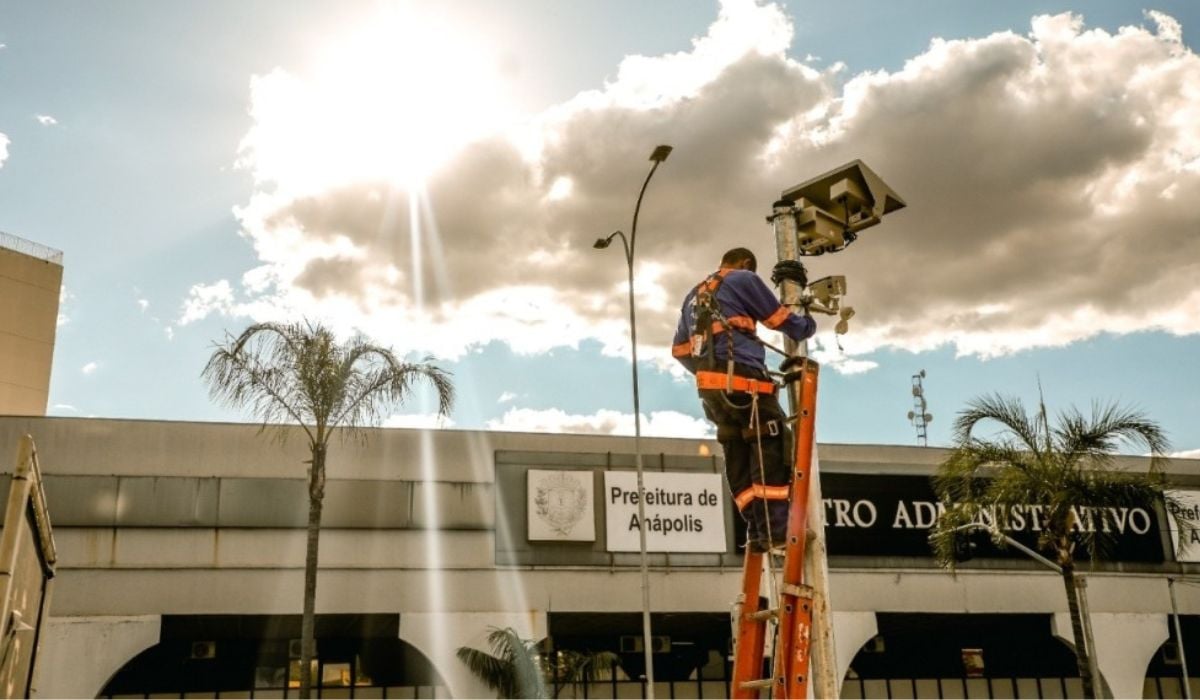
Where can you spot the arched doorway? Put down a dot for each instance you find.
(1164, 673)
(927, 655)
(257, 656)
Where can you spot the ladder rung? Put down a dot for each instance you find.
(760, 615)
(799, 590)
(758, 684)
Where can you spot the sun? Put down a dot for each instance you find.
(391, 99)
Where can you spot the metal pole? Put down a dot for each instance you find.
(637, 444)
(1187, 686)
(824, 651)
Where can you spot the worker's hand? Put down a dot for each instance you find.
(789, 270)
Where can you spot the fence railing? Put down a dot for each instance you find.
(34, 250)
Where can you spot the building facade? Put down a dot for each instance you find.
(181, 551)
(30, 285)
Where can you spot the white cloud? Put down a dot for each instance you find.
(46, 120)
(1187, 454)
(1040, 170)
(143, 304)
(64, 299)
(89, 368)
(604, 421)
(63, 408)
(205, 299)
(3, 148)
(506, 397)
(418, 420)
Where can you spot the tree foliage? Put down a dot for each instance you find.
(300, 374)
(516, 668)
(1069, 472)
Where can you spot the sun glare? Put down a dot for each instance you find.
(392, 99)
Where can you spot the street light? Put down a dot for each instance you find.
(658, 156)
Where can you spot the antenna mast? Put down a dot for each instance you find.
(920, 416)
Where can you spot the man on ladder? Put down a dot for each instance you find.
(716, 341)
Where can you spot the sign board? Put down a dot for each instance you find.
(560, 505)
(879, 515)
(685, 512)
(1187, 508)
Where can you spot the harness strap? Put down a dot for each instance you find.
(771, 428)
(731, 382)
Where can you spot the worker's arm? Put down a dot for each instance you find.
(766, 309)
(681, 345)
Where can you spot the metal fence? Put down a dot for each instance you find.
(963, 688)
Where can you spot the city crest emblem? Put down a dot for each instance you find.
(560, 501)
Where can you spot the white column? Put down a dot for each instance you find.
(78, 655)
(851, 631)
(439, 635)
(1125, 643)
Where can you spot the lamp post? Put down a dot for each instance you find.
(658, 156)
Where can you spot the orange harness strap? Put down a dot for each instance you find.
(732, 382)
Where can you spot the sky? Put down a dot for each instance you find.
(433, 175)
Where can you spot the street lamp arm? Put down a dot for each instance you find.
(997, 533)
(636, 209)
(658, 156)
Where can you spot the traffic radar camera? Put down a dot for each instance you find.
(824, 215)
(831, 209)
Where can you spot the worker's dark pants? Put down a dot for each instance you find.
(750, 481)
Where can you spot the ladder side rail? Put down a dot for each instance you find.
(792, 656)
(751, 632)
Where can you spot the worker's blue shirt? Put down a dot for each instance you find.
(744, 300)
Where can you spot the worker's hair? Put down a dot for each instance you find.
(737, 255)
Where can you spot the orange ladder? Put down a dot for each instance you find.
(790, 672)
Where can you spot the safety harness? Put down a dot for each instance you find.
(709, 321)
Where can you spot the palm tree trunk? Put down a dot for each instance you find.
(1082, 652)
(316, 497)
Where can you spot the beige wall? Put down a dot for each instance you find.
(30, 280)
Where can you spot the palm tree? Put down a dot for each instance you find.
(298, 373)
(1068, 471)
(513, 669)
(516, 669)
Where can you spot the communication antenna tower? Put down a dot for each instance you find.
(919, 416)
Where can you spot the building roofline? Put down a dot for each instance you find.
(34, 250)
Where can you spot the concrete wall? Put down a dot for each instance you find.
(30, 283)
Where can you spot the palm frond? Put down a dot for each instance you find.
(255, 370)
(575, 668)
(1061, 470)
(948, 528)
(1094, 440)
(495, 673)
(1008, 412)
(300, 373)
(522, 656)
